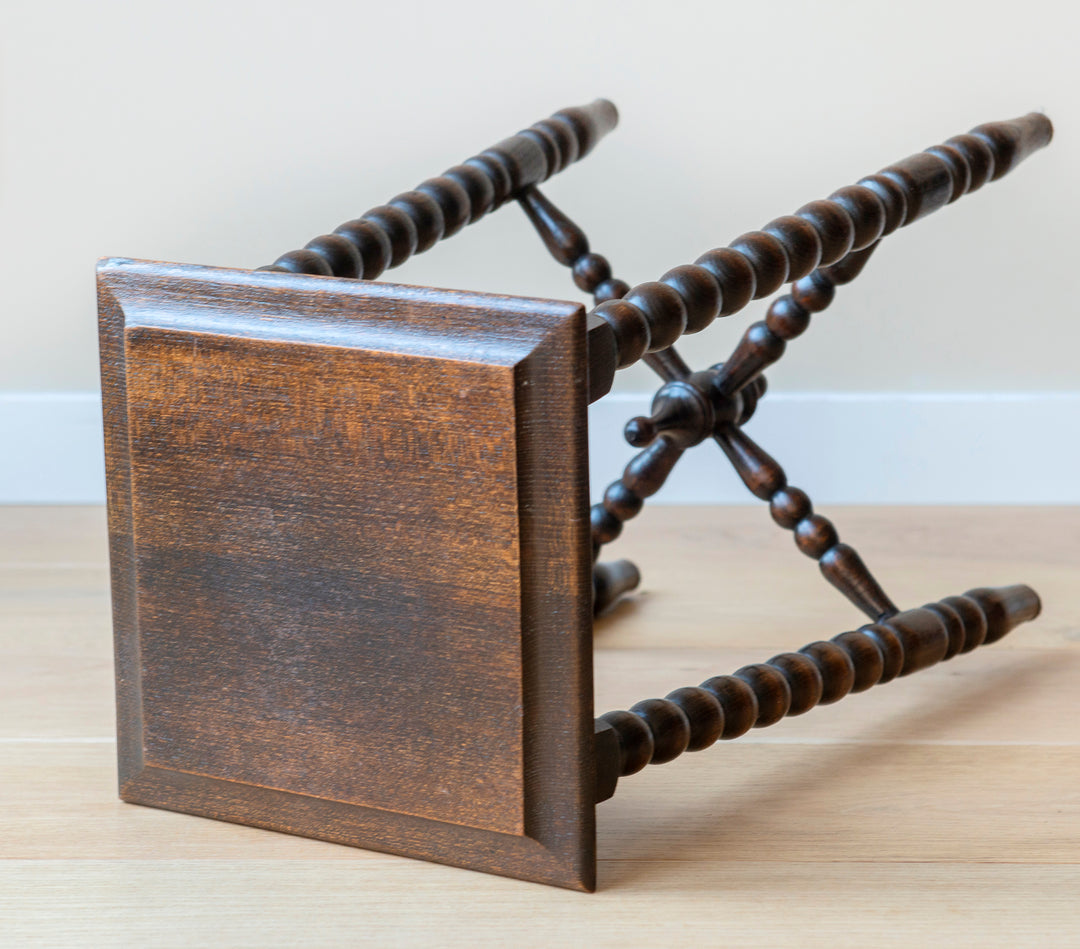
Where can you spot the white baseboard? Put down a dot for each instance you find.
(843, 448)
(52, 448)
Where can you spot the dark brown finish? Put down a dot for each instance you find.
(415, 221)
(350, 540)
(825, 244)
(815, 535)
(568, 244)
(352, 601)
(611, 581)
(658, 730)
(852, 219)
(592, 273)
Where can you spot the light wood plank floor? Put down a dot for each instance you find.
(943, 809)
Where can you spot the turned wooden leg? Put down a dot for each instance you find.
(653, 315)
(788, 316)
(690, 719)
(610, 581)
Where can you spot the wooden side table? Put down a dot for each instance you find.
(353, 565)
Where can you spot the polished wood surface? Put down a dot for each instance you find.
(823, 245)
(351, 576)
(656, 731)
(941, 809)
(414, 221)
(350, 602)
(652, 316)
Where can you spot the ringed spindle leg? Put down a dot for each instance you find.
(690, 719)
(723, 281)
(821, 246)
(416, 220)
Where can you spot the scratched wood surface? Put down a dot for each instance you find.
(942, 809)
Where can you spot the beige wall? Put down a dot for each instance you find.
(226, 133)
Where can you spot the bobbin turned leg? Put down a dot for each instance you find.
(690, 719)
(823, 245)
(788, 316)
(652, 316)
(610, 581)
(414, 221)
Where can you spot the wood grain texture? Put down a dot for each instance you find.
(413, 222)
(692, 718)
(823, 245)
(245, 904)
(834, 232)
(304, 647)
(954, 791)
